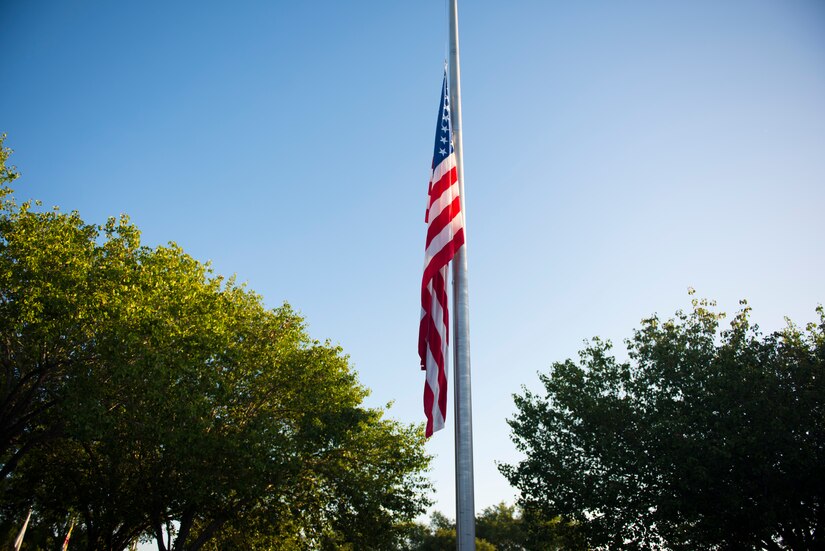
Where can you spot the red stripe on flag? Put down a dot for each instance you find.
(443, 257)
(444, 218)
(443, 184)
(429, 400)
(440, 288)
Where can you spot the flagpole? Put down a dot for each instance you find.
(465, 501)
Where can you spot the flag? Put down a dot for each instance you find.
(18, 543)
(68, 535)
(445, 235)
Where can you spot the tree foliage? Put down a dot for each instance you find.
(439, 535)
(145, 396)
(500, 527)
(701, 440)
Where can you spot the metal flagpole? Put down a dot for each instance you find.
(465, 501)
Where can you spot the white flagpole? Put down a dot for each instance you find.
(465, 501)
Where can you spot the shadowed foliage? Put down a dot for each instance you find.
(702, 440)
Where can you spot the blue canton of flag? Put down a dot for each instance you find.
(443, 134)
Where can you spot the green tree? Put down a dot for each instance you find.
(209, 413)
(440, 533)
(147, 397)
(701, 440)
(47, 300)
(543, 533)
(8, 173)
(502, 526)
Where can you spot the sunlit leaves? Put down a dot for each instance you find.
(142, 392)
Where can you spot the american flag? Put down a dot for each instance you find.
(445, 235)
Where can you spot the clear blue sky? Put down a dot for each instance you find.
(616, 153)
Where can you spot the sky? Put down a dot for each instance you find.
(615, 154)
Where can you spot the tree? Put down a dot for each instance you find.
(700, 441)
(207, 412)
(8, 173)
(509, 528)
(439, 535)
(502, 526)
(147, 397)
(46, 323)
